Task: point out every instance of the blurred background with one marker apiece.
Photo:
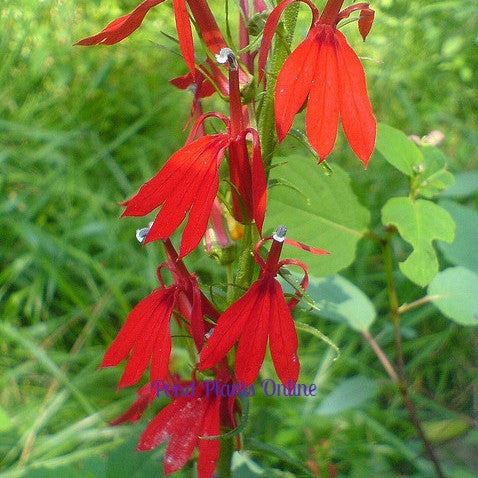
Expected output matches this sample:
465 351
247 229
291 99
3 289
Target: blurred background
82 128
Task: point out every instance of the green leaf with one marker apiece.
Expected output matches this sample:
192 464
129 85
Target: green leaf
350 393
123 461
433 176
339 299
59 472
264 448
5 421
466 185
397 149
455 292
419 223
444 430
326 214
462 251
243 467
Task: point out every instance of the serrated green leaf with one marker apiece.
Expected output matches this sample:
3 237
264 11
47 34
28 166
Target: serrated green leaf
466 185
326 215
433 176
339 299
462 251
350 393
419 223
397 149
455 292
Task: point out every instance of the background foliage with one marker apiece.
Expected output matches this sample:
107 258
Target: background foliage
81 129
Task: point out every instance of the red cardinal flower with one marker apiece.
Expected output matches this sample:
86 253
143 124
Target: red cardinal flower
189 180
188 418
324 69
136 410
122 27
202 87
146 332
260 314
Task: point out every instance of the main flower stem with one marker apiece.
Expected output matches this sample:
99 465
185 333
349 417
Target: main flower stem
402 383
245 268
267 118
244 275
223 468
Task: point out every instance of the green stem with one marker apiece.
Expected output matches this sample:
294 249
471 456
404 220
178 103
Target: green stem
223 468
245 268
402 383
230 284
267 118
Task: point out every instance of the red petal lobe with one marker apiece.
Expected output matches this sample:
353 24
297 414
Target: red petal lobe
358 120
283 338
294 83
322 117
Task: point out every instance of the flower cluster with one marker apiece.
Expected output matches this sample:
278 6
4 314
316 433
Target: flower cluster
322 71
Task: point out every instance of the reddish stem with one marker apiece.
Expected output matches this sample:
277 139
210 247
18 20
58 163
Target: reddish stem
331 12
246 58
207 25
272 264
235 102
173 259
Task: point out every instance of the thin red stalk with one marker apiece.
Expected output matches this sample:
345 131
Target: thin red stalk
235 102
244 35
174 258
402 384
381 356
331 11
274 255
207 25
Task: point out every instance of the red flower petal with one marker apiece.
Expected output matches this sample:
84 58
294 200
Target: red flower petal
159 429
270 27
207 25
259 182
157 303
194 187
161 352
356 113
189 180
322 117
153 193
241 177
209 449
304 247
180 420
365 22
294 83
185 36
283 337
153 334
136 410
185 430
253 341
228 329
201 208
122 27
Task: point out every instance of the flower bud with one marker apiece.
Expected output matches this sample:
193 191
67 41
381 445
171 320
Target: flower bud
219 243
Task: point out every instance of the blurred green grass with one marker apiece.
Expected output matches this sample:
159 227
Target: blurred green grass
83 128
